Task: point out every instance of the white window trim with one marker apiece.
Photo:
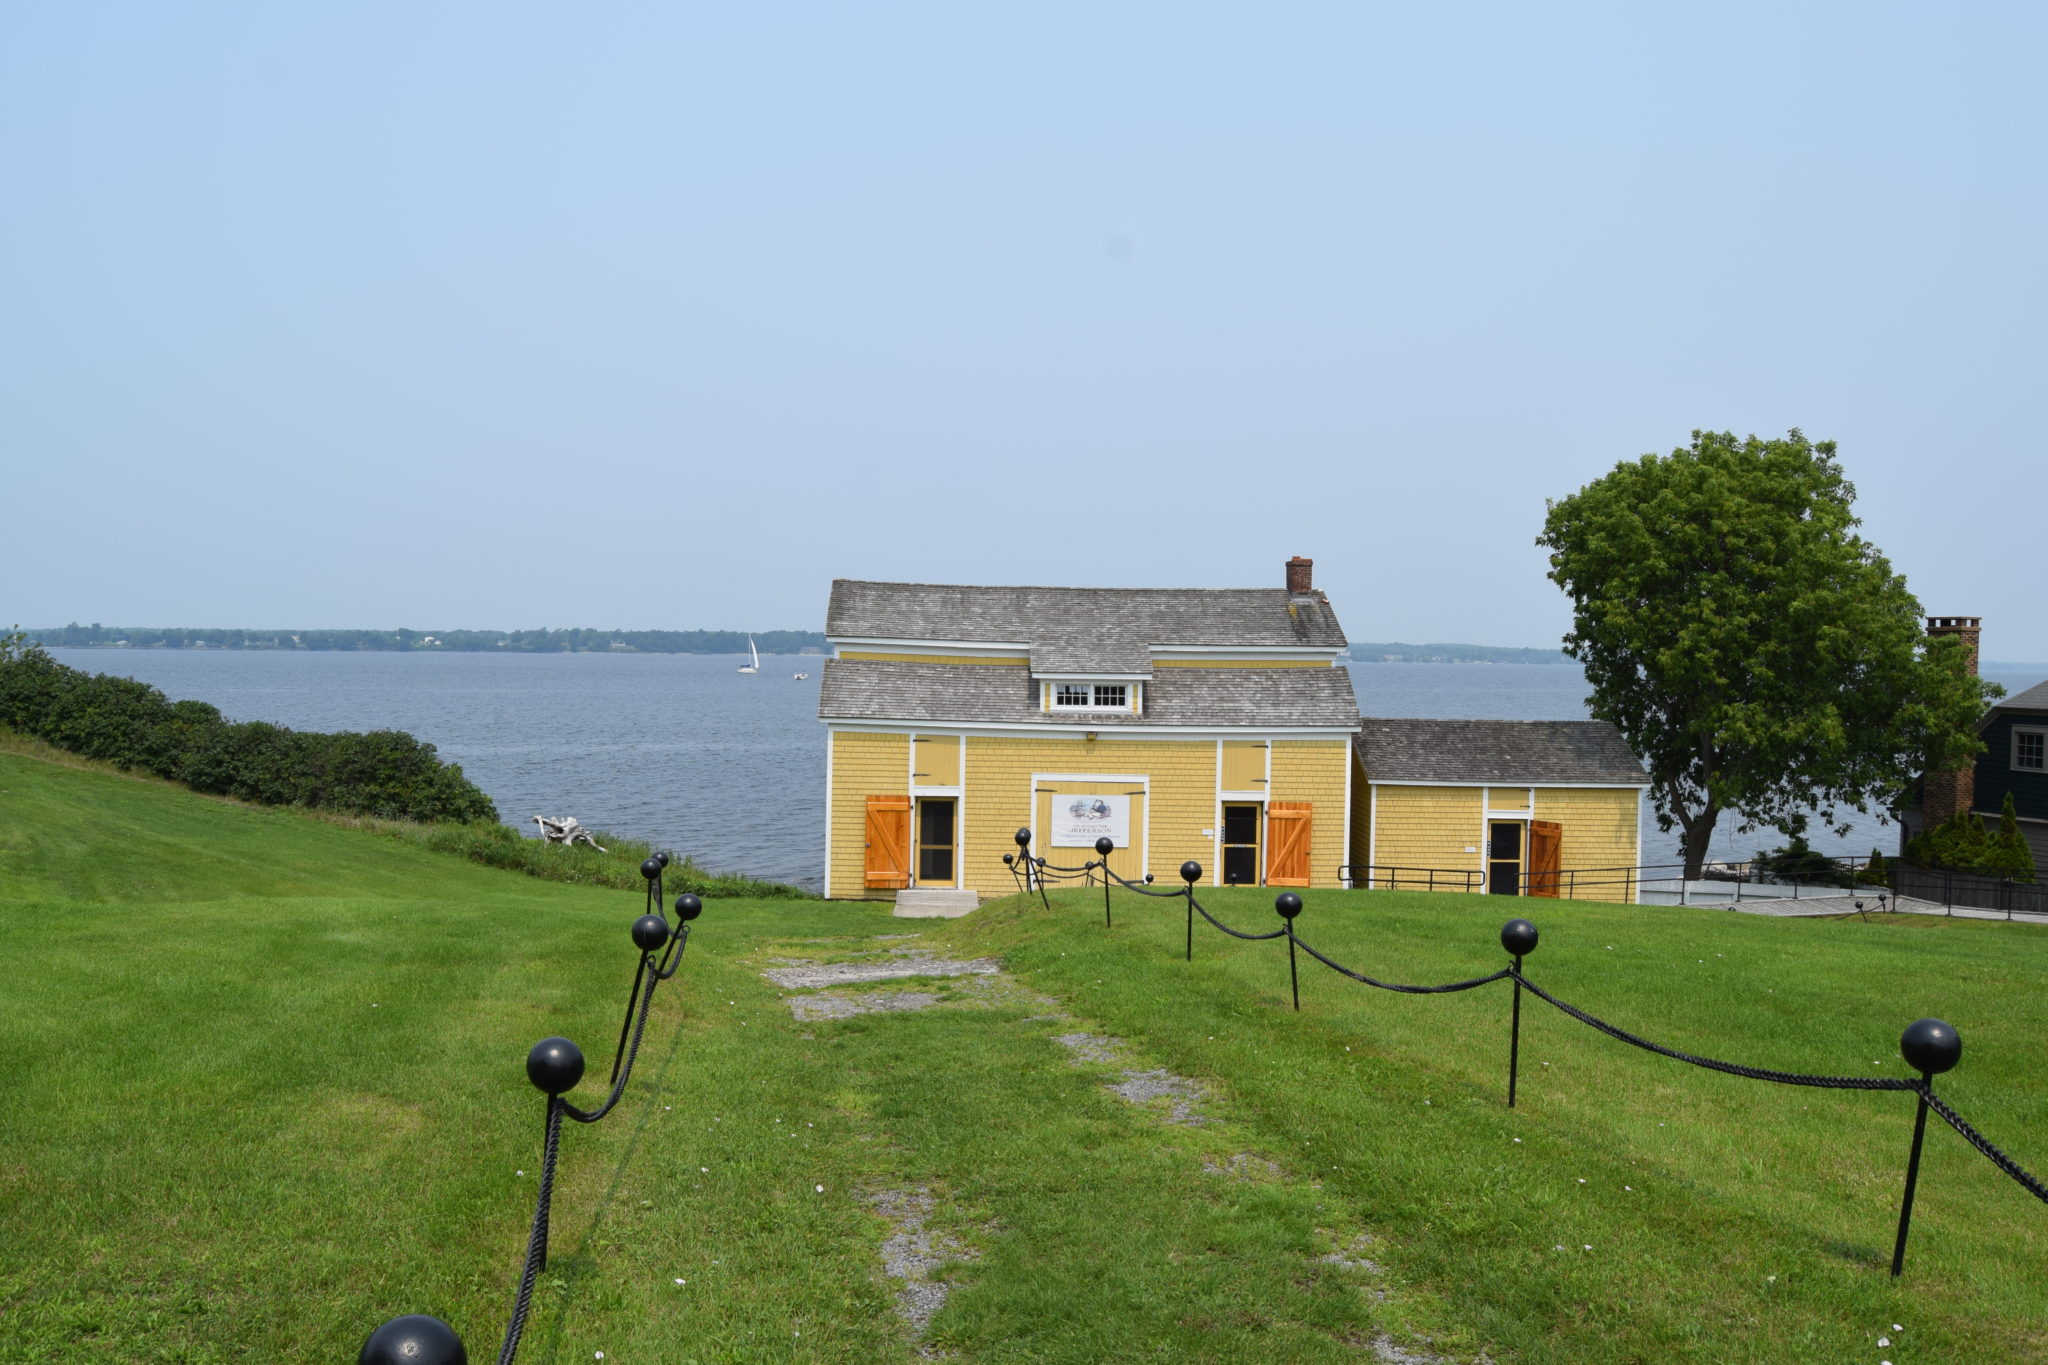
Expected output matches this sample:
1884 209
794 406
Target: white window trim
1093 705
2019 730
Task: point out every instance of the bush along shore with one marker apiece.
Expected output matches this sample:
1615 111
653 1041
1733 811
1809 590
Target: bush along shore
386 781
135 727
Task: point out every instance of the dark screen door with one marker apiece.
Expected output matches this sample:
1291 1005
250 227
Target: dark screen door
1504 857
935 840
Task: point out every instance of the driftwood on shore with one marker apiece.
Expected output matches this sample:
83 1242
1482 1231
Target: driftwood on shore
568 830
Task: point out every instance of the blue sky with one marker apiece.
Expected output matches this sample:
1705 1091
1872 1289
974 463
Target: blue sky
663 316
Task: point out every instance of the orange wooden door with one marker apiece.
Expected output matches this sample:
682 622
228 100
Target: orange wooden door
1287 842
1546 855
888 860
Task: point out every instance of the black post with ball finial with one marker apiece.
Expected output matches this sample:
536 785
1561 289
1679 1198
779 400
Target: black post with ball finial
1518 936
1103 848
1288 905
415 1339
1190 873
1031 872
1930 1047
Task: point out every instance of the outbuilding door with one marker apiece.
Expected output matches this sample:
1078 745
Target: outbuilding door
1128 863
1504 857
1546 854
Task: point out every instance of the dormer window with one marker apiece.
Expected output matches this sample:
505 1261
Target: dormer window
1075 696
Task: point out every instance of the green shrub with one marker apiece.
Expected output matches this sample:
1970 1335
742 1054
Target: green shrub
1961 843
134 726
1797 863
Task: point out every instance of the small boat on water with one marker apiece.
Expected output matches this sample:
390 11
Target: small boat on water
755 666
800 676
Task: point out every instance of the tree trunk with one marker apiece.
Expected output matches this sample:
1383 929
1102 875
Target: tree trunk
1699 832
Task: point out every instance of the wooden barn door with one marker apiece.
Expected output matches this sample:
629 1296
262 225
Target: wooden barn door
888 859
1546 855
1287 842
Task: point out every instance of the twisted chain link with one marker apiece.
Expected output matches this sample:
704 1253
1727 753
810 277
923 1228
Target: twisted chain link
1983 1144
537 1239
1754 1073
1341 969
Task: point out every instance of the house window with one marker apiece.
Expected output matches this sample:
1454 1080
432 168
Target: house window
2029 750
1092 696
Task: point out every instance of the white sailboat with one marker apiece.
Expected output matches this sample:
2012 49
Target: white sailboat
755 666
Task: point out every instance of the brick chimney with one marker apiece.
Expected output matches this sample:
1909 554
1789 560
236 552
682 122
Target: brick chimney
1301 577
1947 793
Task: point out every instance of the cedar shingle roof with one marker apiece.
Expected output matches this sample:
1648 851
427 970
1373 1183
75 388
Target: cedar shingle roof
1528 752
2034 698
1097 657
1222 617
875 689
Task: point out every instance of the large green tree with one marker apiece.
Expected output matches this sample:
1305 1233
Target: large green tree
1759 654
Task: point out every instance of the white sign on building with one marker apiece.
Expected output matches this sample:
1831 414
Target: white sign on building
1078 821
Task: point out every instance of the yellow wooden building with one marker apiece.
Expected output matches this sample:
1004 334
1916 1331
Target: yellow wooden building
1543 808
1212 725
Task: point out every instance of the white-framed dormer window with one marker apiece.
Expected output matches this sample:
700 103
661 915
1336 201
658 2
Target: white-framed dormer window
1079 696
2029 749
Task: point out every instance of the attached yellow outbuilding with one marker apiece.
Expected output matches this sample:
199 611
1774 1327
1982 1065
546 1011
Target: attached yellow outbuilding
1536 808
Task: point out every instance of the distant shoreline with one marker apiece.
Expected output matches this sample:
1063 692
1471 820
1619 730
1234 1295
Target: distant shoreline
573 640
581 640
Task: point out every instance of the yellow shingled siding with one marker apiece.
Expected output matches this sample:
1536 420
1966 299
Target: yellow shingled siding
1360 851
864 764
1425 828
1242 663
1000 799
1016 661
1313 770
1600 828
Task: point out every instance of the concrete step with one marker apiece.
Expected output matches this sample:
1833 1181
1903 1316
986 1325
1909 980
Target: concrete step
935 903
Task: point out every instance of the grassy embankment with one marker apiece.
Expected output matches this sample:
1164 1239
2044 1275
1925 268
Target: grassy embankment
270 1093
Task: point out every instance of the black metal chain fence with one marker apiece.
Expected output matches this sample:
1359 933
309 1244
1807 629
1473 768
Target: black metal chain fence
1930 1046
555 1065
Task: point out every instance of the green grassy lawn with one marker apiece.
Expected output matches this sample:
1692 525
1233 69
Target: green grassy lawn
270 1092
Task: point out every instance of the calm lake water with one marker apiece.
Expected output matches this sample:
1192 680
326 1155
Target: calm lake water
684 751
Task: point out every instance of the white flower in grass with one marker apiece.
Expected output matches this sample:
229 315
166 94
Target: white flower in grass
1884 1341
1582 1180
519 1173
821 1189
1588 1246
1558 1247
1770 1279
704 1170
1897 1328
682 1281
